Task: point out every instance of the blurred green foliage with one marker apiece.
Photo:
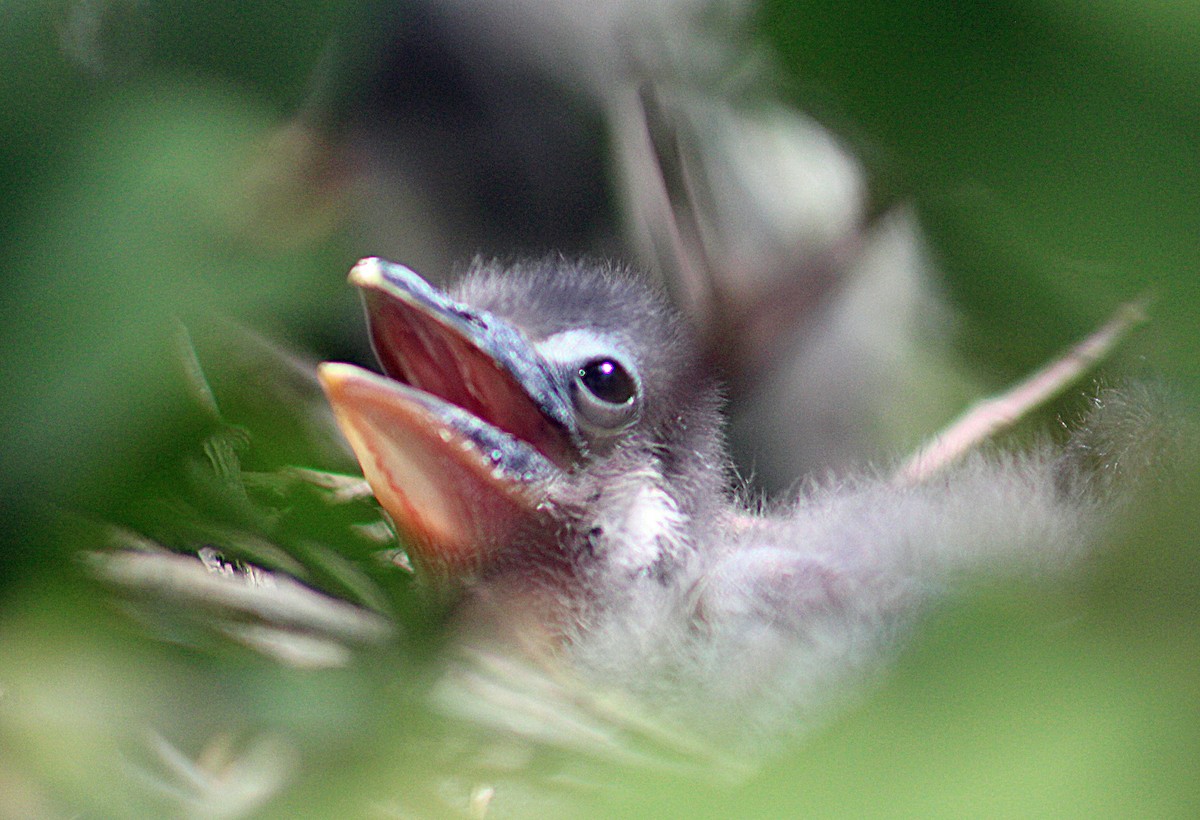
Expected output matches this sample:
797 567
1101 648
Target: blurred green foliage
149 175
1050 145
143 182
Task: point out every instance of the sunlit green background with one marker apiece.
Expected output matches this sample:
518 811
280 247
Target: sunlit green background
148 175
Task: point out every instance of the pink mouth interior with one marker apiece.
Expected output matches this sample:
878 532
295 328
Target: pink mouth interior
416 349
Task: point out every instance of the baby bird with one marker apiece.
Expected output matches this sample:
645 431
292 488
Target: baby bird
548 442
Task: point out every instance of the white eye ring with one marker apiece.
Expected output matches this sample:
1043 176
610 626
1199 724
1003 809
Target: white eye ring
605 387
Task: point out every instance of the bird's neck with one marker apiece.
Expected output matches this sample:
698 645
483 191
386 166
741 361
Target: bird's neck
627 536
637 530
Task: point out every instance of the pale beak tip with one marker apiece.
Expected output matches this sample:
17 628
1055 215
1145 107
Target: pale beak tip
336 378
367 272
332 373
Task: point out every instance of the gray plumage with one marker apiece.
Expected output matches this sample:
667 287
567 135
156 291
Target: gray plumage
657 581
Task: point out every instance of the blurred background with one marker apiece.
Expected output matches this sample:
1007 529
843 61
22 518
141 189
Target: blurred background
875 214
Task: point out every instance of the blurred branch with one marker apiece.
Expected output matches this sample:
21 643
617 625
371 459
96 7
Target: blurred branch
998 413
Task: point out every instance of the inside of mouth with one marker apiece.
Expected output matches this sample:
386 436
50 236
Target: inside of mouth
415 349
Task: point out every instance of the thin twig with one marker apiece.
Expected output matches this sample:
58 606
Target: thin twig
997 413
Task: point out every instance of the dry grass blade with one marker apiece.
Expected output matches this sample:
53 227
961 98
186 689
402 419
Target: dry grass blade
259 595
997 413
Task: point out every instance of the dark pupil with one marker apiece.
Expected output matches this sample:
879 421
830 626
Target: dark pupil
607 381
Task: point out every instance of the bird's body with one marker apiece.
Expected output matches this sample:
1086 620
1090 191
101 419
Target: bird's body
570 404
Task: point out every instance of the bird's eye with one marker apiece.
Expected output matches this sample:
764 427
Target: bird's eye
608 381
606 394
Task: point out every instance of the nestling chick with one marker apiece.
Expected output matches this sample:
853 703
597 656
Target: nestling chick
549 443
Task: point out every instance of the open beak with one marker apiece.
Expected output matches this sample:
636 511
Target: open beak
461 437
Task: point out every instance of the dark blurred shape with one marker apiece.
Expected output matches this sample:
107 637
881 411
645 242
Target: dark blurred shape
465 144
